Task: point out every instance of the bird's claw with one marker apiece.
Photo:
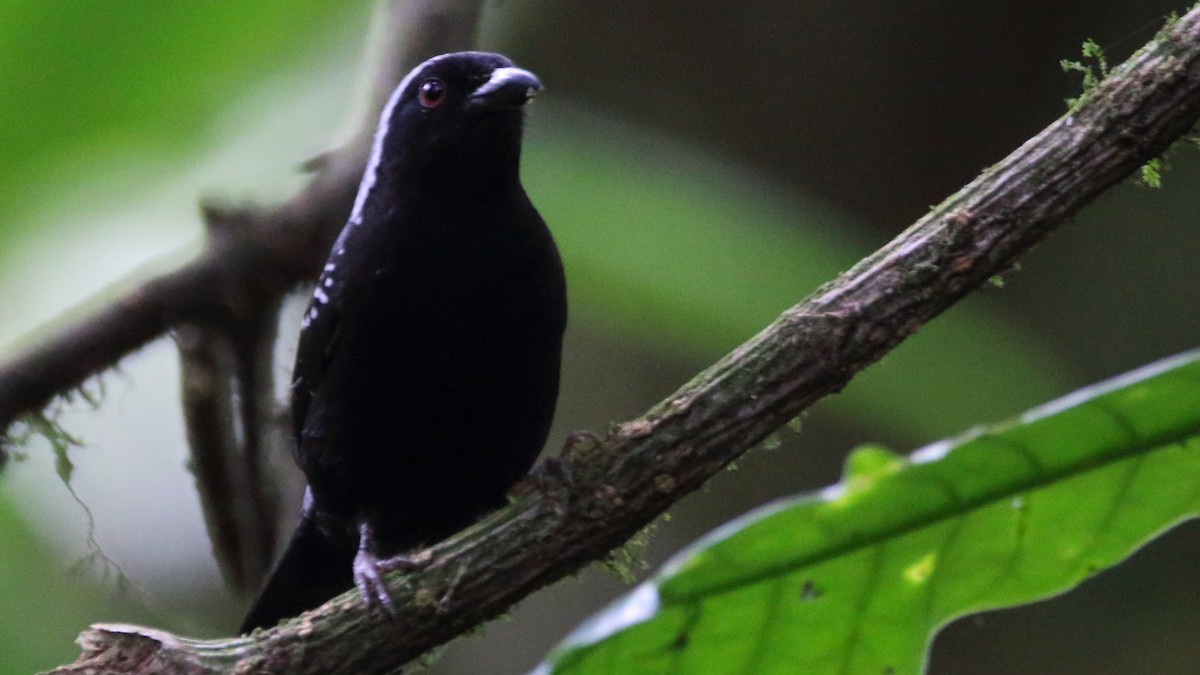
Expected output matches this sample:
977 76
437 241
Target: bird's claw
369 581
403 563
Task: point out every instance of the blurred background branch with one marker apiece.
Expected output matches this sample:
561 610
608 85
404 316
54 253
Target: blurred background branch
225 303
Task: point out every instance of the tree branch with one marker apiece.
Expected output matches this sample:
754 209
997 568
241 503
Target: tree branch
238 504
622 482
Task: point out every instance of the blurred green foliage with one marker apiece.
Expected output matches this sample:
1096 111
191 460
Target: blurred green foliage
41 610
84 79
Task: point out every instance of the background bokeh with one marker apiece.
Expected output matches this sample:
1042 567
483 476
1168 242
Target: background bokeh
703 165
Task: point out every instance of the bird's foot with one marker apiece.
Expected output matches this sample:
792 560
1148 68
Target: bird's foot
368 578
369 569
404 563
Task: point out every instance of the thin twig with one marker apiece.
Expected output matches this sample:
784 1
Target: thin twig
238 504
254 372
209 418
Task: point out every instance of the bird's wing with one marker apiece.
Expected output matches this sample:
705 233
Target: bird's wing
319 332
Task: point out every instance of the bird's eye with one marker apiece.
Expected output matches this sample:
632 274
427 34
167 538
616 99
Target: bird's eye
431 93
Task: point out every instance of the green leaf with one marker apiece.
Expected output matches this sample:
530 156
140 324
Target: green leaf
1152 173
859 577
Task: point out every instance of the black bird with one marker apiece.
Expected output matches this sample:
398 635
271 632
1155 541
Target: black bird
427 370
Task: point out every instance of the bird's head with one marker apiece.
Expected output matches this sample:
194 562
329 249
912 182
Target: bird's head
455 110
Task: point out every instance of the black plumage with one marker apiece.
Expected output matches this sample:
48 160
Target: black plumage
428 364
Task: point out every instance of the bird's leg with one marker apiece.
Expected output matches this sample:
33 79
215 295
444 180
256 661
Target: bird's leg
366 571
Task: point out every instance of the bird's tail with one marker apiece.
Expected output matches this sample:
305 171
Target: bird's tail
313 569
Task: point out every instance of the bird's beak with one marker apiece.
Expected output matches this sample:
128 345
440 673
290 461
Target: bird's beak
507 88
